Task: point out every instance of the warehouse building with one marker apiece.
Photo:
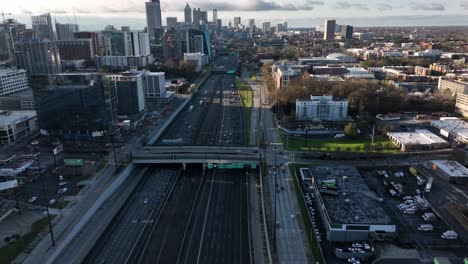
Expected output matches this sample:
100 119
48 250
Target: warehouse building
452 127
450 171
349 209
417 140
16 124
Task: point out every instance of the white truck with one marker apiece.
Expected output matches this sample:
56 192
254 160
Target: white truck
429 184
429 216
449 234
426 227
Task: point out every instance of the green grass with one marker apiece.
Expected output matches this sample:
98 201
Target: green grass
246 95
343 145
9 252
314 245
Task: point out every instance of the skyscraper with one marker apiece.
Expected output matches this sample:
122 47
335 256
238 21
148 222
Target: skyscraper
42 24
171 22
153 18
65 31
237 22
188 13
197 16
215 15
330 25
347 31
251 23
38 57
266 27
204 17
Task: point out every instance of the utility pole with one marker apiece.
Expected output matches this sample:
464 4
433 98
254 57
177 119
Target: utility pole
47 202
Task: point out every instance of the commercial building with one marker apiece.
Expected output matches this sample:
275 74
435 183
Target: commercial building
187 14
38 57
130 94
215 15
417 140
124 61
330 25
323 108
75 49
453 128
461 104
22 100
112 43
450 170
347 31
282 74
198 58
137 43
79 104
171 22
364 36
237 22
16 124
343 58
153 18
66 31
42 24
348 207
12 81
94 36
266 26
318 61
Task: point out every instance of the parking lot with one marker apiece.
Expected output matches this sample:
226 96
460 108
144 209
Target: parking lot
405 189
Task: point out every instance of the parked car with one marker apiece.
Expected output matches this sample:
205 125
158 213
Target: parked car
32 199
52 201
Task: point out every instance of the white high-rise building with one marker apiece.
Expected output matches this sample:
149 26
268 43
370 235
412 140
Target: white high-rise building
137 43
153 17
12 81
154 84
237 21
323 108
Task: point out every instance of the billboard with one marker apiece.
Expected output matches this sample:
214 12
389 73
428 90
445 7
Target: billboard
73 162
8 185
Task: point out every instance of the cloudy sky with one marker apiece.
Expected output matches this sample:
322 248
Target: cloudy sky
94 14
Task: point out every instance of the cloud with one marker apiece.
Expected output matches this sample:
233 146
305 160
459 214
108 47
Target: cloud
464 5
57 11
348 5
384 7
427 6
258 5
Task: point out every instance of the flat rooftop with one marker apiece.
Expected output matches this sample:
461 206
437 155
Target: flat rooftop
10 117
451 168
355 202
418 137
452 125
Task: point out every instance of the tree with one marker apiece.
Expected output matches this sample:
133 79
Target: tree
351 131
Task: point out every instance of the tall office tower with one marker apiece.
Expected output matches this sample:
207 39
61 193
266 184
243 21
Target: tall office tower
43 26
188 14
197 16
237 22
10 31
266 27
330 25
280 28
38 57
285 26
347 31
251 23
112 43
153 18
219 22
171 22
130 93
204 17
215 15
65 31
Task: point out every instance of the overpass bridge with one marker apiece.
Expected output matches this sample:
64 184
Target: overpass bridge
216 156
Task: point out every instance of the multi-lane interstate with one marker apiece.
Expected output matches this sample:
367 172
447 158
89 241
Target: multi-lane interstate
199 215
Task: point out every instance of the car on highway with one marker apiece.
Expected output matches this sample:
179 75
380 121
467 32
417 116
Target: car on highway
32 199
145 200
35 142
292 216
52 201
62 183
60 178
62 191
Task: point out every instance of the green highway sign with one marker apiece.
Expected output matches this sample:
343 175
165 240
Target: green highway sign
73 162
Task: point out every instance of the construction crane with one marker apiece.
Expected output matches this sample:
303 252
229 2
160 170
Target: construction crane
3 16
